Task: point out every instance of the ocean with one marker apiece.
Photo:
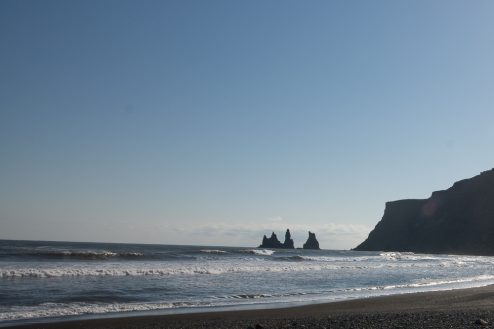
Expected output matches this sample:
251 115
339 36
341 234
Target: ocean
47 281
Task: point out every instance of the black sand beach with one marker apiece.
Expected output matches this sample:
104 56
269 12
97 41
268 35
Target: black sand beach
463 308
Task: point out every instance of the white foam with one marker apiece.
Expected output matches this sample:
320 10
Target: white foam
486 279
71 309
260 252
213 251
58 310
436 272
48 270
334 259
400 256
241 264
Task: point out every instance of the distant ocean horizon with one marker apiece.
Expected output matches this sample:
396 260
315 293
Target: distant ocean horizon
47 280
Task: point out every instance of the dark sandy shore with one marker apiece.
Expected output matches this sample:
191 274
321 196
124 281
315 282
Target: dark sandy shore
465 308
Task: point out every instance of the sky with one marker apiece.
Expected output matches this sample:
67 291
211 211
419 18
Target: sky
216 122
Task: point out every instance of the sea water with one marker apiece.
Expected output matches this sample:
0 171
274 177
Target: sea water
61 280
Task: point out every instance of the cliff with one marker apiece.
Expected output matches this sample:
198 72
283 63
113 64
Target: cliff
459 220
311 242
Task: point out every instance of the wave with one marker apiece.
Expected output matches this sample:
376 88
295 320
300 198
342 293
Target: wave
247 296
80 254
295 258
398 255
80 308
410 256
286 264
252 264
329 259
159 269
259 252
71 309
428 283
213 251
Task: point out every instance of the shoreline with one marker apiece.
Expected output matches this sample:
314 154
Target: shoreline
457 307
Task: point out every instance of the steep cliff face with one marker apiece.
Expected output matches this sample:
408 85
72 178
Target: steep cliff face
459 220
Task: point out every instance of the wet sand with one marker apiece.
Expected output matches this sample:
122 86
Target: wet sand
462 308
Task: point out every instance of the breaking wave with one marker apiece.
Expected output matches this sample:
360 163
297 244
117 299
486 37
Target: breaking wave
78 308
79 254
213 251
153 270
97 278
296 258
259 252
62 309
288 264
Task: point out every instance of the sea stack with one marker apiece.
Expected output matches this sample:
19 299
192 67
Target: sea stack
459 220
273 242
312 242
288 244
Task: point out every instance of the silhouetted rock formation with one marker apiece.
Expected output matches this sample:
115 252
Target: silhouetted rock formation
288 244
312 242
459 220
273 242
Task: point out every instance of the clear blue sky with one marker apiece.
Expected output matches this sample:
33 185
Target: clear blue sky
215 121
